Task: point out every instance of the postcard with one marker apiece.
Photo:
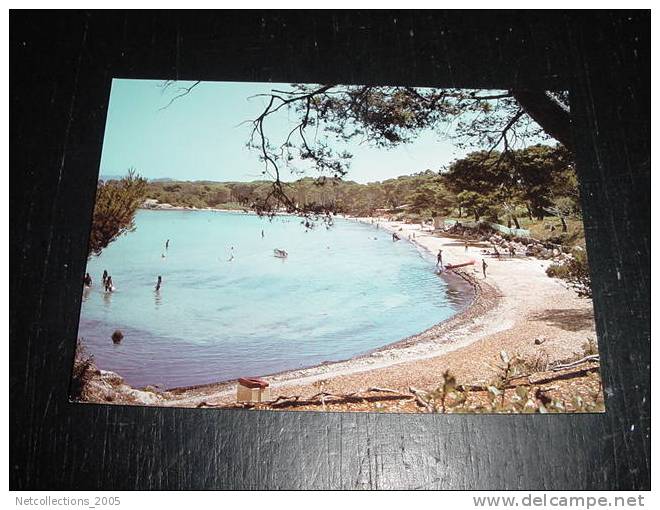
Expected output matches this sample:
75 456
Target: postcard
322 247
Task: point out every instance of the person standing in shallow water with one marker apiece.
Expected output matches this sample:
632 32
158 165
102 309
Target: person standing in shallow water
167 244
87 280
484 266
105 276
159 283
109 287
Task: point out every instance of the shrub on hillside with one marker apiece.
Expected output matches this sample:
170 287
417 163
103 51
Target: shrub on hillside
574 271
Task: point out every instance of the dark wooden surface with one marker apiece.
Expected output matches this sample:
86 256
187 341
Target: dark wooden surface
61 66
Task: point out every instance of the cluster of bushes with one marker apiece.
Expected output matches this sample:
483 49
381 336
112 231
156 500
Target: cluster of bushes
574 270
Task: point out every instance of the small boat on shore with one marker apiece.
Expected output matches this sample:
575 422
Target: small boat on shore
280 254
449 267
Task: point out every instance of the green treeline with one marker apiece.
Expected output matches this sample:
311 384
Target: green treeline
519 189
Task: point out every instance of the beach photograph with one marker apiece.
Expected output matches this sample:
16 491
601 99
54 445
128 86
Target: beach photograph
337 248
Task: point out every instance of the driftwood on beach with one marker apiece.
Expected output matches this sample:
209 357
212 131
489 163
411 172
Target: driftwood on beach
423 399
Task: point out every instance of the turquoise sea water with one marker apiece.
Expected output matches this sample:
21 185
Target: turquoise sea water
342 291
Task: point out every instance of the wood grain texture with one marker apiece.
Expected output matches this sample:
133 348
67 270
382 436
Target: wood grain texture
61 67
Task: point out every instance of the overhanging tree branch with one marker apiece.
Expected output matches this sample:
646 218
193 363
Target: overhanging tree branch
181 92
553 116
386 116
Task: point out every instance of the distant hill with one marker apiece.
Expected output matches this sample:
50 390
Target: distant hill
108 177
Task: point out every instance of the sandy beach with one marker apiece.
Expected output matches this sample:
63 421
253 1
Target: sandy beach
517 309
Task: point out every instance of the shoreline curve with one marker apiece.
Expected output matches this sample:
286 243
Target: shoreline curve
445 336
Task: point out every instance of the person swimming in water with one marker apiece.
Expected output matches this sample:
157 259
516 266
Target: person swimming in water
87 280
159 282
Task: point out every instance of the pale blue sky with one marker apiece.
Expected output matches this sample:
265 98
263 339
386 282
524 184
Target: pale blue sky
199 136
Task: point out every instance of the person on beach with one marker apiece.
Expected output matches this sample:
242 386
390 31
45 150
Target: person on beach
496 252
87 280
466 246
158 283
439 262
484 266
512 251
105 276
